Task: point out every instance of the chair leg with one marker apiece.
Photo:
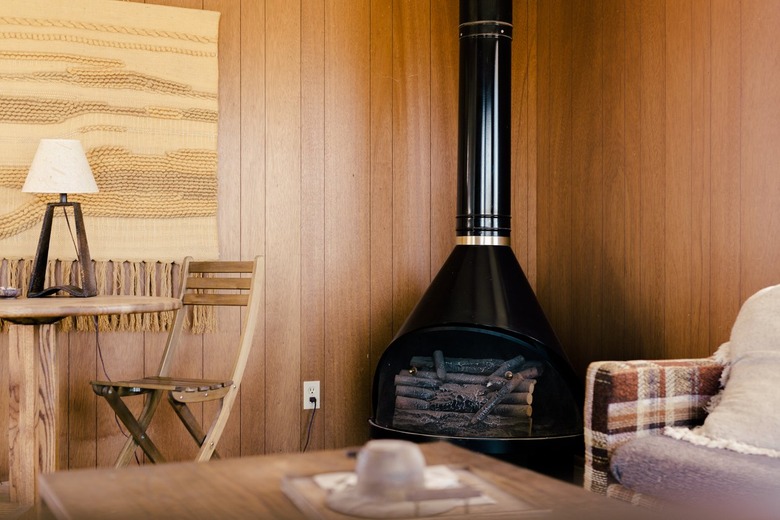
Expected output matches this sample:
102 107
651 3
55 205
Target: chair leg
207 442
144 419
137 429
190 422
217 425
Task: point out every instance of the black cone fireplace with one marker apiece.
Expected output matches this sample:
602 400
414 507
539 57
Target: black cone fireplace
476 362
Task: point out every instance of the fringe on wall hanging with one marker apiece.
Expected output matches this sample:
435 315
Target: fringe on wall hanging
114 278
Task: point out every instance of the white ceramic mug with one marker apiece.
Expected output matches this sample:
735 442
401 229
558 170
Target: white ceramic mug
387 469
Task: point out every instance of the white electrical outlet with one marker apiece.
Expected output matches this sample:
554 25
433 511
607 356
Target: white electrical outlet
311 389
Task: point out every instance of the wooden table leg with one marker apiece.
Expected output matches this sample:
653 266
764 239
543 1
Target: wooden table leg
32 408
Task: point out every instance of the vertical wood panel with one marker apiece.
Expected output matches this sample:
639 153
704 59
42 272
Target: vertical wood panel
312 205
726 164
701 121
82 401
632 295
615 212
587 174
381 170
529 108
443 129
760 159
554 233
411 155
523 130
677 185
283 217
347 204
652 157
250 409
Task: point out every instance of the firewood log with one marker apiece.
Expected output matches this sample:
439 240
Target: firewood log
519 398
411 403
529 370
406 380
499 376
513 410
455 377
415 391
463 365
430 380
504 410
438 364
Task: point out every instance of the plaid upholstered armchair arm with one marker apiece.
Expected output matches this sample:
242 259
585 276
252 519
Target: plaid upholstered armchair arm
627 399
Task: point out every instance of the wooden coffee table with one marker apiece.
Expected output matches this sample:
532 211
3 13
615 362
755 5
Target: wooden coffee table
251 487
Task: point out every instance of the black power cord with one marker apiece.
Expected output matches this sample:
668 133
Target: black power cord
311 421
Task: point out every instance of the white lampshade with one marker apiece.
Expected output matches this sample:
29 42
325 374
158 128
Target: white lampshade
60 166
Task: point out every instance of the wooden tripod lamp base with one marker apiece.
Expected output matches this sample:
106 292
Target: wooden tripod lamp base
88 281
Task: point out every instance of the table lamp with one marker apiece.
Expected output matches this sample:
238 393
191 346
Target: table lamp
60 166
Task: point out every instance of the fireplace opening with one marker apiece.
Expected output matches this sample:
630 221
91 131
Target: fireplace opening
489 384
476 362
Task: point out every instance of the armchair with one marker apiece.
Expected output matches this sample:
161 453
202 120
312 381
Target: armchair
628 399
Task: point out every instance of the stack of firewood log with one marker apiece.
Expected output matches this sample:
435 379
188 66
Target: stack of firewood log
457 396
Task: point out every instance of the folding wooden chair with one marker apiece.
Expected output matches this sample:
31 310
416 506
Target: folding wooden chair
203 283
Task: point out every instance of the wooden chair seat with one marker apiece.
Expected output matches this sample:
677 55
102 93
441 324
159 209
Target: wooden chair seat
203 283
184 387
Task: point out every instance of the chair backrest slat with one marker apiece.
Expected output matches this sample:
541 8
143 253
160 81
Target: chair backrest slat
218 283
215 299
218 266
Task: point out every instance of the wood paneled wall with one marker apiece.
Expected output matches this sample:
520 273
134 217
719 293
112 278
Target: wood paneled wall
658 174
644 181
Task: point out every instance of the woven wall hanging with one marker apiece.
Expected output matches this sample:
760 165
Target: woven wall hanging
137 84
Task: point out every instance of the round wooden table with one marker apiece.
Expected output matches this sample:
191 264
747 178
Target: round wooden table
36 311
34 413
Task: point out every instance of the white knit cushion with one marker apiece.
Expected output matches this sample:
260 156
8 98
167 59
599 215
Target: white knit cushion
745 417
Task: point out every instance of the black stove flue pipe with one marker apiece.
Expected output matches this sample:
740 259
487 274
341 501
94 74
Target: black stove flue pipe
484 112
